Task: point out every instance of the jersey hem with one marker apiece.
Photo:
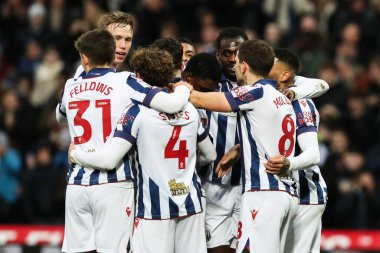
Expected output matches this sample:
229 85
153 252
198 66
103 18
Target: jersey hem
126 180
172 218
269 190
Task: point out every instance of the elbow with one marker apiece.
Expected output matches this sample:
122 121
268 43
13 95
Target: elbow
316 158
211 156
175 107
324 85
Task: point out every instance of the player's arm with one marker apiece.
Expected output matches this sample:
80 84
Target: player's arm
308 143
206 150
60 113
308 87
169 102
212 101
106 158
228 160
113 152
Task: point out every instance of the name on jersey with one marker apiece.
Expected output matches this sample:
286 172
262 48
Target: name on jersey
93 86
282 100
179 115
178 188
243 94
305 118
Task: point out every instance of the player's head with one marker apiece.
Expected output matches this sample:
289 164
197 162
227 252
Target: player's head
188 50
174 47
153 65
120 25
285 67
254 57
227 44
203 72
96 49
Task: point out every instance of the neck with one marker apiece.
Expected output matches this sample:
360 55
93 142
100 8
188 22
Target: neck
87 68
252 78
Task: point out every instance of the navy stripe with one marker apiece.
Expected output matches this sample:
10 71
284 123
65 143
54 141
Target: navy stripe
94 177
231 100
202 136
79 176
71 169
241 154
173 208
149 97
190 209
299 114
130 117
134 84
315 178
312 109
111 176
287 186
127 167
140 201
220 145
236 169
154 192
304 188
250 96
197 186
255 161
125 136
306 129
225 86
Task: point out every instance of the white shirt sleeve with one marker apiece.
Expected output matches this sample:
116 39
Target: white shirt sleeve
207 153
171 103
308 143
309 87
60 113
106 159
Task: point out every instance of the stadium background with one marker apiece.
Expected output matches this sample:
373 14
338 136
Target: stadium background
336 40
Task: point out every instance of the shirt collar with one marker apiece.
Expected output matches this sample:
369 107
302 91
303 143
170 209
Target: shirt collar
265 81
98 72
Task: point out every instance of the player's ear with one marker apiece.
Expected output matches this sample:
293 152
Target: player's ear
85 59
285 77
187 76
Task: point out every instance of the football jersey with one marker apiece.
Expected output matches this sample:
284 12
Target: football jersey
167 183
93 104
222 128
311 186
266 124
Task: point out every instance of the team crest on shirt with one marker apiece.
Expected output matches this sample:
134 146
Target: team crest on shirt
178 188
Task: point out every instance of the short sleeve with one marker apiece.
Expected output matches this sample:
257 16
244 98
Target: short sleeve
143 92
127 125
243 98
306 116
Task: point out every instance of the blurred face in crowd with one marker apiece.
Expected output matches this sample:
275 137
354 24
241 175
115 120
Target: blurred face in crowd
188 52
226 55
123 35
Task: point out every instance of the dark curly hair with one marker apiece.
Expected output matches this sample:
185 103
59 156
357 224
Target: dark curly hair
155 66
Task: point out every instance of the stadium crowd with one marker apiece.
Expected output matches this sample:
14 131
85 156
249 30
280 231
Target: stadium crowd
335 40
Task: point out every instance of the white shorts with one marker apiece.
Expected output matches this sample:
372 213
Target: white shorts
304 233
222 213
179 235
264 220
98 217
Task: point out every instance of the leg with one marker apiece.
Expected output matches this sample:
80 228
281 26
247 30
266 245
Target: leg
154 236
190 235
113 207
79 228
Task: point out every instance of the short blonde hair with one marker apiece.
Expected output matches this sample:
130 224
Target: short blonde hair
115 17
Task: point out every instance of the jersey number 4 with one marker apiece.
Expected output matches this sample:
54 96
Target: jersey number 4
286 143
181 153
82 106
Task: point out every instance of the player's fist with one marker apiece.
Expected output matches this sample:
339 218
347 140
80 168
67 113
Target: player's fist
277 165
289 94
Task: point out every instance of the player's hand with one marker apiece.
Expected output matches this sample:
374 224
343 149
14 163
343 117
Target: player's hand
289 94
175 85
278 165
71 148
228 160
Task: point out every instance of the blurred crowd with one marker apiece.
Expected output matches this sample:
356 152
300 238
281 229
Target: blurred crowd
336 40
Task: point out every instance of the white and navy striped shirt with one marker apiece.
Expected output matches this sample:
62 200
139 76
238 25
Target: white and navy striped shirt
222 128
92 104
266 124
311 186
167 183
